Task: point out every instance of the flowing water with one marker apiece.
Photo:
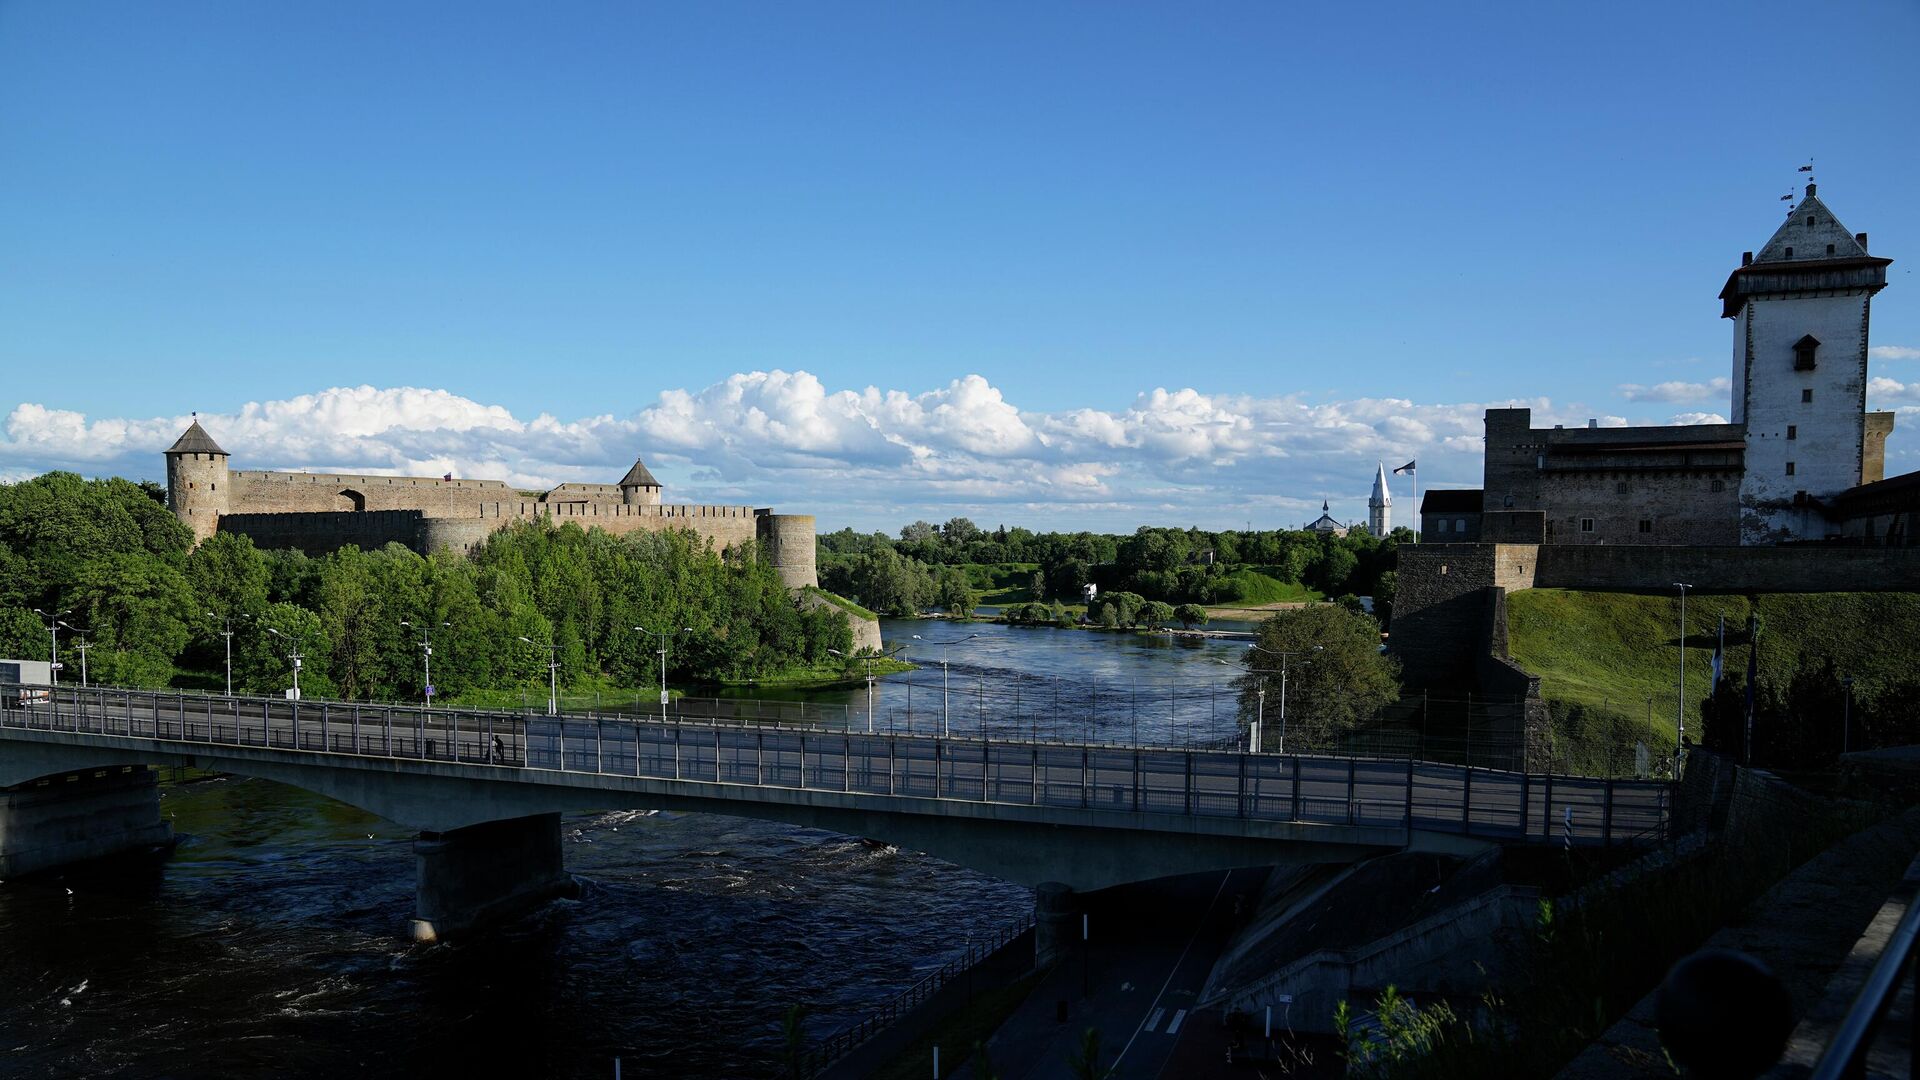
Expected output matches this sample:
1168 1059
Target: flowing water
271 943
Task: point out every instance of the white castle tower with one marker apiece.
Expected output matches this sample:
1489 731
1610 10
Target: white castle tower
1800 309
1380 505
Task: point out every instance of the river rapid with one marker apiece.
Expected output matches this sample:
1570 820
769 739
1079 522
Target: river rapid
272 942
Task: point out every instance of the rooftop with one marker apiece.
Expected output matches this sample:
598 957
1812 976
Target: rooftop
195 440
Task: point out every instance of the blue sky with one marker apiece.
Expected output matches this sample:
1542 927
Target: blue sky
889 261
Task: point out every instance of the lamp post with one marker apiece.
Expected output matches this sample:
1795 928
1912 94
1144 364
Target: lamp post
226 631
1259 714
53 631
664 636
293 659
1285 655
426 654
1680 705
553 674
1846 715
869 658
946 730
83 646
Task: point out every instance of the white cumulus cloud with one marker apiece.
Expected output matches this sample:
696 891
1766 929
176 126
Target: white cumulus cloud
1677 392
1893 352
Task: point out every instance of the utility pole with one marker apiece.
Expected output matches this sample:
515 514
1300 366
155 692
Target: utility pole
664 636
946 729
1285 655
870 658
1680 710
293 659
226 631
426 654
553 674
83 646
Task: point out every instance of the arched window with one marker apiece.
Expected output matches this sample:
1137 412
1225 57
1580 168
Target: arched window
352 500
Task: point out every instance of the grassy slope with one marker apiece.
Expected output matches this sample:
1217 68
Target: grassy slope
1620 649
840 602
1259 586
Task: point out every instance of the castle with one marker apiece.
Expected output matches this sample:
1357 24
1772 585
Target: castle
1789 496
319 512
1800 460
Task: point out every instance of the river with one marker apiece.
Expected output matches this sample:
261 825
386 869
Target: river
272 942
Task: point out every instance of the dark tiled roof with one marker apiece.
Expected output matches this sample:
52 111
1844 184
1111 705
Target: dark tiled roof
1452 501
638 476
195 440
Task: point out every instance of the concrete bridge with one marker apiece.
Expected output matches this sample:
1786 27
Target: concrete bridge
485 790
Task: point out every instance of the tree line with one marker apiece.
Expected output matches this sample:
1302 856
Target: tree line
108 558
924 566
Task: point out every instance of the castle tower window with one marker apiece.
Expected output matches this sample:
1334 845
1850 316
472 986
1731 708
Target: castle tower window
1793 432
1586 524
1646 526
1789 253
1620 488
1789 468
1803 353
1806 397
1717 485
1829 249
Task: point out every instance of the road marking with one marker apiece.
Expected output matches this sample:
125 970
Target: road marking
1199 924
1174 1028
1154 1020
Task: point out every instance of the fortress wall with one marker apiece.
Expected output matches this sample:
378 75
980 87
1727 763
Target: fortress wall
786 541
1791 568
319 533
286 493
1441 607
726 526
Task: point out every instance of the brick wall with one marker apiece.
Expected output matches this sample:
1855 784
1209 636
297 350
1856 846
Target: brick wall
319 533
1808 568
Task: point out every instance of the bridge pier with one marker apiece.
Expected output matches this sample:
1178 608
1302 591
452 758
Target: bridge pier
1056 933
484 874
75 816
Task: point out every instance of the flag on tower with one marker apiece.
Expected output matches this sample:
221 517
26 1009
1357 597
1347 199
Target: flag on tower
1408 467
1806 168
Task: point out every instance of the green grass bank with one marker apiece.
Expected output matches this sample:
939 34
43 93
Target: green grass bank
1621 651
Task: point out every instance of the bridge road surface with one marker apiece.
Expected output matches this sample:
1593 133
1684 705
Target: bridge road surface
1152 946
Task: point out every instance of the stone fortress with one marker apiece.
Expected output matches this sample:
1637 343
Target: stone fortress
320 512
1790 496
1801 460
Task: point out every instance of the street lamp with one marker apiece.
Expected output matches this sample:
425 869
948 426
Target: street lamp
426 653
83 647
1680 706
553 675
869 658
1846 715
946 731
1286 655
53 630
226 631
293 658
664 636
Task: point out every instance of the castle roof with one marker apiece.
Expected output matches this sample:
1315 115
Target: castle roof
195 440
638 476
1806 234
1810 252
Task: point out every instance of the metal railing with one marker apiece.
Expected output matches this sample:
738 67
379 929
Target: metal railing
1168 781
847 1039
1846 1055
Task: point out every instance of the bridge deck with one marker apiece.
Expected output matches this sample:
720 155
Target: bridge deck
1309 789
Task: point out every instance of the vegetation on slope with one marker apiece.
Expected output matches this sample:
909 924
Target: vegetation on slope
1619 653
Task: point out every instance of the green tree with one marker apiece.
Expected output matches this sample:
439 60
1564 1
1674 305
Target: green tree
1155 614
1190 615
1336 675
956 593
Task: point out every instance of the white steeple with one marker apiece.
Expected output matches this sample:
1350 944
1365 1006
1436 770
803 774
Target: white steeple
1380 505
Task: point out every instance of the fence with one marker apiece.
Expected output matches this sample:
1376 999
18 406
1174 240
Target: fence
842 1042
1169 781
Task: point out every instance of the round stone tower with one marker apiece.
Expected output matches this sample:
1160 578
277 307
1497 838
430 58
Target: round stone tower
786 541
197 488
638 487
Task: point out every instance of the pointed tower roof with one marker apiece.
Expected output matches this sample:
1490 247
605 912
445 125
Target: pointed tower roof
1381 497
638 476
1808 233
1810 252
195 440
